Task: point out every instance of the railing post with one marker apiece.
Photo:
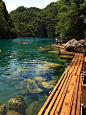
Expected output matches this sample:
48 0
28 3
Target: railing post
85 64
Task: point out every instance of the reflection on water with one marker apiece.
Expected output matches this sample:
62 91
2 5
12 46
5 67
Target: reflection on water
27 71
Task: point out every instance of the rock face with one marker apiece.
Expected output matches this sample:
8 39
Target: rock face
3 110
7 28
17 103
76 46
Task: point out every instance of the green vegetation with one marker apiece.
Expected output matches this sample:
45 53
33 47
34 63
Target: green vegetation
64 18
7 28
34 22
71 19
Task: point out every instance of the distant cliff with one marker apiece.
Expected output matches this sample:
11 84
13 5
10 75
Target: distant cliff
7 28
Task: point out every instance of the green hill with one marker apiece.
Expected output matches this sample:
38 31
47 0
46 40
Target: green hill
7 28
35 22
64 18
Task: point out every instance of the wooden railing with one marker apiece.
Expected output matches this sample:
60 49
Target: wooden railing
66 96
85 64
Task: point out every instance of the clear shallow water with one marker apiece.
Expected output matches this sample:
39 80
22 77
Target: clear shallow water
17 65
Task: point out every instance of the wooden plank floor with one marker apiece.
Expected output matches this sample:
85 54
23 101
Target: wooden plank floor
66 96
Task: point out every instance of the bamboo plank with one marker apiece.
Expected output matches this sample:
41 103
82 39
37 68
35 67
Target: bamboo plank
66 105
61 88
64 90
61 100
75 97
42 110
79 97
67 91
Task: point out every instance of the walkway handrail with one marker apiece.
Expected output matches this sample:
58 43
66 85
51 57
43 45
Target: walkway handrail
66 96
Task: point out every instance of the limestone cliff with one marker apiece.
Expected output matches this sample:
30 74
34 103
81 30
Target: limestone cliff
7 28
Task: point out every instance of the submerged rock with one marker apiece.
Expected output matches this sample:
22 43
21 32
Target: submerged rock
20 69
35 85
22 91
44 49
17 103
3 110
29 85
54 52
66 56
34 108
39 79
51 65
47 85
12 112
32 86
54 82
46 65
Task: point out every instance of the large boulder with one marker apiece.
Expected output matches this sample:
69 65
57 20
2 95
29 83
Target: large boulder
76 46
81 46
17 103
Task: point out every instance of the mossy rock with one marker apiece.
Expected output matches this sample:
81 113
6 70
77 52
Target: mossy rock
51 65
34 108
54 52
44 49
22 92
54 82
12 112
31 86
39 79
3 110
47 85
48 65
66 56
17 103
20 70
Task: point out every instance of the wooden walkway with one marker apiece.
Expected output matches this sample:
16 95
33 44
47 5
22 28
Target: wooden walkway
65 98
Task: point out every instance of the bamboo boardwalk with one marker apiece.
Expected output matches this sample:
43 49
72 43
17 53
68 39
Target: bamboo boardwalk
65 99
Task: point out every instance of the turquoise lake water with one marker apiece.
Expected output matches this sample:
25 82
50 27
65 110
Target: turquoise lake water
21 63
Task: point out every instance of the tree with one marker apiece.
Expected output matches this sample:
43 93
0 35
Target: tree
35 22
71 16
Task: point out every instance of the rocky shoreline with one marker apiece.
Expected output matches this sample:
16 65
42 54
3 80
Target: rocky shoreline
73 46
76 46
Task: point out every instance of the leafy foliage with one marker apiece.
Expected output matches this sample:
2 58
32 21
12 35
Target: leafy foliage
7 28
35 22
64 18
71 19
